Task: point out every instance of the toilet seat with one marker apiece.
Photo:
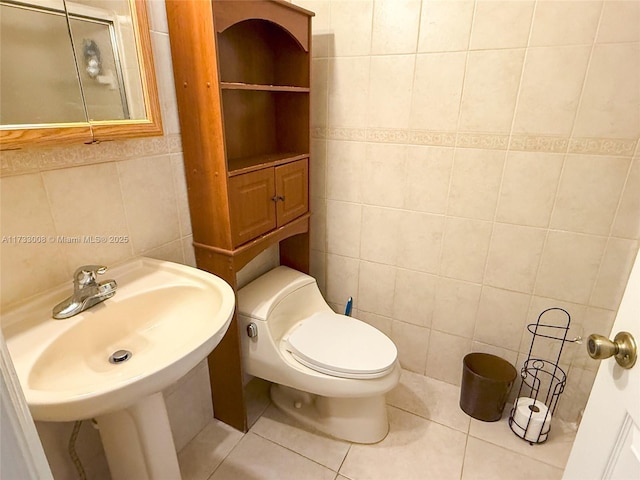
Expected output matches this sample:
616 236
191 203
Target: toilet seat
341 346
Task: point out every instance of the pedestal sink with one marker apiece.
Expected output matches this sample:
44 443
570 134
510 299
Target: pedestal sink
167 316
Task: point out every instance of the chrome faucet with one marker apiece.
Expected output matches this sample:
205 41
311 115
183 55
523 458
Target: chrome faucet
86 291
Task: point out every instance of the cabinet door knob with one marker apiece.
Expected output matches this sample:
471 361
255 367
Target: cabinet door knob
274 198
281 198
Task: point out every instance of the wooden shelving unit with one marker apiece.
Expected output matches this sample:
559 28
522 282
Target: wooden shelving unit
242 75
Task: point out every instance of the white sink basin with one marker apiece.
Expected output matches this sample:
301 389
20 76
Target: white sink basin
169 316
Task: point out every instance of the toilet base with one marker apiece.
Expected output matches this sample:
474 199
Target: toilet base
358 420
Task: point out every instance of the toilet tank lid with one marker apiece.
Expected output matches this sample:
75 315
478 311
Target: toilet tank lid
258 298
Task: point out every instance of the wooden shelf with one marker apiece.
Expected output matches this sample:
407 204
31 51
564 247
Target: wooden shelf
238 166
259 87
243 254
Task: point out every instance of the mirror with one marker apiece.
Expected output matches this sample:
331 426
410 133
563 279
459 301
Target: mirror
75 71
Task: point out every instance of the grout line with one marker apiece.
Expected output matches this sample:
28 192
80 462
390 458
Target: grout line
299 453
464 454
501 446
226 456
522 72
494 222
586 72
422 417
344 459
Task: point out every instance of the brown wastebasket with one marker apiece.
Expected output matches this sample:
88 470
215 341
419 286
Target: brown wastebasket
486 383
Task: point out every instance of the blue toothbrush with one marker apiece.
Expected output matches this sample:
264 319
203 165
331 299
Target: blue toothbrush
347 310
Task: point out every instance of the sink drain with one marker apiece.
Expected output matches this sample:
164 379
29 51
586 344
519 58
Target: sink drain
120 356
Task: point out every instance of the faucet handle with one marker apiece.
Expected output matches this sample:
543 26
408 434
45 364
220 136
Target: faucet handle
86 274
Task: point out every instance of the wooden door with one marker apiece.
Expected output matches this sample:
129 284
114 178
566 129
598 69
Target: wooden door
251 203
292 190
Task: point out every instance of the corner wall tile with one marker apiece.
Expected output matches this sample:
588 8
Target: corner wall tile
501 24
166 85
437 89
589 192
569 266
465 247
414 295
348 90
528 188
343 228
428 173
379 242
619 23
445 25
627 222
182 199
501 317
383 173
551 82
421 235
444 361
319 92
490 90
29 268
455 307
475 183
395 26
393 73
548 31
157 16
102 215
351 26
614 273
610 98
413 344
344 169
149 198
342 280
376 288
514 256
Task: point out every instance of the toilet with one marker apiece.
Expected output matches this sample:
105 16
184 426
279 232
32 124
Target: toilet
329 371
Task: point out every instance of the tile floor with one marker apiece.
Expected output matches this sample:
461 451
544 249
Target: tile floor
429 438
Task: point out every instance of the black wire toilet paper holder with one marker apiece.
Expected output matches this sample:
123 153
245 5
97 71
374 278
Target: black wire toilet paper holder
542 380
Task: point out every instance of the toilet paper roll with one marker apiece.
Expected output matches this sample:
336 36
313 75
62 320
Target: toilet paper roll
531 415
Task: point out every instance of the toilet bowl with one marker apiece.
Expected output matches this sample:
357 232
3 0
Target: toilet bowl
329 371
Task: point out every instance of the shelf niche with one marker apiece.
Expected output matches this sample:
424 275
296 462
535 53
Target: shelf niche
259 123
260 52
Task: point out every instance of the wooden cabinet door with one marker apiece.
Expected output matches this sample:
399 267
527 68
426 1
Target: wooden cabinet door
292 189
251 205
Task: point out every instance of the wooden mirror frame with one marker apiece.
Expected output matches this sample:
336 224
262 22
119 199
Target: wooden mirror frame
15 137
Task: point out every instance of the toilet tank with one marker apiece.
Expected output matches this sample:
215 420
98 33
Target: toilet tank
281 297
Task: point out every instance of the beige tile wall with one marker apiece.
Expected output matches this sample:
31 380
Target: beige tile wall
133 188
476 162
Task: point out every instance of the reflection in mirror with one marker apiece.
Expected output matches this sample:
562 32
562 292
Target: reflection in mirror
105 48
38 80
107 57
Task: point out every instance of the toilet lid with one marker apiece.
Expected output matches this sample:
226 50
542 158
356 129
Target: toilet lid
341 346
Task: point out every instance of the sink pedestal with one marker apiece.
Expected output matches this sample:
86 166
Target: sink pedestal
138 442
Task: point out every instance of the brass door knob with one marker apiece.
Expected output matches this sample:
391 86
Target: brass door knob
622 348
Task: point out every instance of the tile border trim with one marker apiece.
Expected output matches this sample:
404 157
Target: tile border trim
491 141
17 162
